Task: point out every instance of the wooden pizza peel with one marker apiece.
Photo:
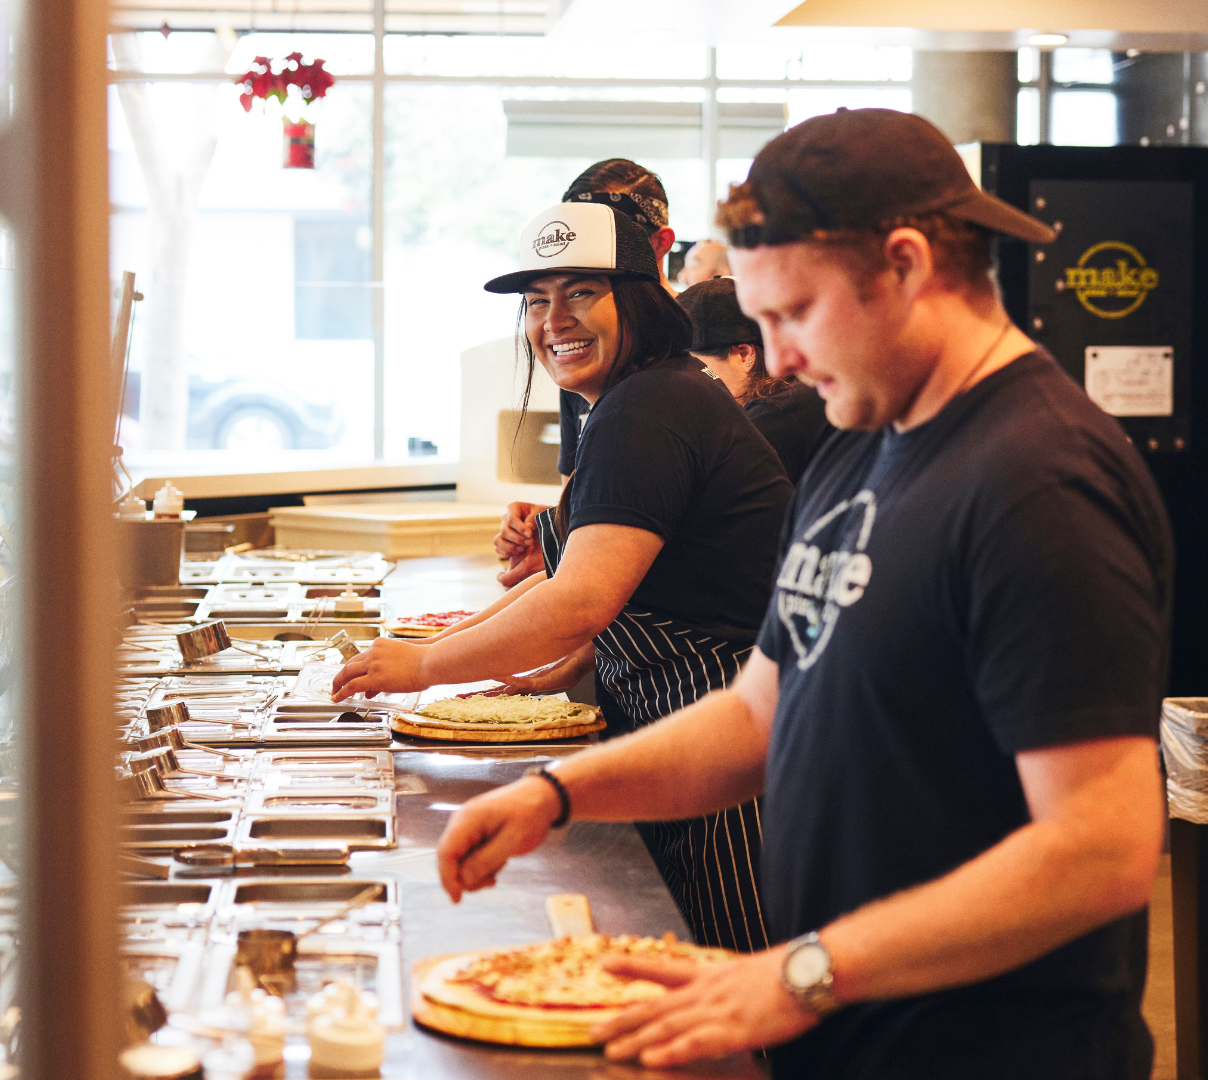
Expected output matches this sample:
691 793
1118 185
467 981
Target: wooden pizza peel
568 914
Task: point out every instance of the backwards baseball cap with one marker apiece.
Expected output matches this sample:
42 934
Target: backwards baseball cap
717 320
579 237
861 169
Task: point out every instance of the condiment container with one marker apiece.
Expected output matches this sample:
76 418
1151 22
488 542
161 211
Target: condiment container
132 508
349 605
148 1062
346 1040
169 502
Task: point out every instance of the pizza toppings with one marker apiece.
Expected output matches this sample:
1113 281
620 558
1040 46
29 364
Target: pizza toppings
569 973
426 625
508 709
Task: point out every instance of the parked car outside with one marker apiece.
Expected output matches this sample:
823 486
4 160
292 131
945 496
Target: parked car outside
248 414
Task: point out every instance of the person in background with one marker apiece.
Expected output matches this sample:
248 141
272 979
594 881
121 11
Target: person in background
659 559
789 414
704 260
639 194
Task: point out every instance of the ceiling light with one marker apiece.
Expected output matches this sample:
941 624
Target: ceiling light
1048 39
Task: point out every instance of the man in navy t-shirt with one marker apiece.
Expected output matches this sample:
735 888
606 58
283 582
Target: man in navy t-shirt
952 708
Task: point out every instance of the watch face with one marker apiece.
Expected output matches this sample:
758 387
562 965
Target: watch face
807 966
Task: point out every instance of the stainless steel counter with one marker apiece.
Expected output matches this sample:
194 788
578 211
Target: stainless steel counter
606 862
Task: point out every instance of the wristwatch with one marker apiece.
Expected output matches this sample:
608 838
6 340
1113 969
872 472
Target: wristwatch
806 975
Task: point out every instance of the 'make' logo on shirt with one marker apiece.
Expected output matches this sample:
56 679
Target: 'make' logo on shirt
823 573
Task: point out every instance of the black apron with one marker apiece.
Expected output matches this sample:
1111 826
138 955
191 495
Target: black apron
649 666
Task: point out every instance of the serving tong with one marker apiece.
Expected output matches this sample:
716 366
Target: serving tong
164 759
174 737
148 783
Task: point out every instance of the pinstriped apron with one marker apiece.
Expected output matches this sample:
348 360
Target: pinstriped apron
651 665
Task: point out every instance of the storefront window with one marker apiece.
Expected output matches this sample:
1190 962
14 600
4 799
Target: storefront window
255 337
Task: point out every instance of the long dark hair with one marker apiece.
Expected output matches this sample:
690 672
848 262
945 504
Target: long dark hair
652 328
760 383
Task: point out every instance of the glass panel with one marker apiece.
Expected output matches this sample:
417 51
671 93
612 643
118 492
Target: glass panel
255 340
455 204
794 60
1027 116
1083 66
1028 69
806 103
190 52
472 55
1084 118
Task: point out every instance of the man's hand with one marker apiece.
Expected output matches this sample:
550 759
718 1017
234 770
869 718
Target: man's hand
385 667
708 1013
515 535
521 567
489 829
560 675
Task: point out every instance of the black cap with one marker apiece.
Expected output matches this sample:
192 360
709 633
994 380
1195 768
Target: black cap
579 237
860 169
717 320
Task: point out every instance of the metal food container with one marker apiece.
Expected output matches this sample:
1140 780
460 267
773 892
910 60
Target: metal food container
203 641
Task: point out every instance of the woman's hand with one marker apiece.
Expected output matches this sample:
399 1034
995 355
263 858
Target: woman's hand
560 675
387 666
489 829
709 1012
521 567
516 531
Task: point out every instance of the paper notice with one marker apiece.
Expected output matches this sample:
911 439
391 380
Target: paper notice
1129 380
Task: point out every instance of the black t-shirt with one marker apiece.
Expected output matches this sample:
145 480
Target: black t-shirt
794 422
669 450
571 410
994 581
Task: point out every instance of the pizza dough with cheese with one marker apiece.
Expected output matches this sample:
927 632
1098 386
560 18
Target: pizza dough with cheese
549 993
500 718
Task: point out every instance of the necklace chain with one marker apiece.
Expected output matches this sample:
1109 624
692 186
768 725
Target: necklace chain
981 363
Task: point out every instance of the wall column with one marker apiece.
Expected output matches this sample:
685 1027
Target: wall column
969 96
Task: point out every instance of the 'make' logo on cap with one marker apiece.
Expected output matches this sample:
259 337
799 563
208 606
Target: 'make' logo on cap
553 239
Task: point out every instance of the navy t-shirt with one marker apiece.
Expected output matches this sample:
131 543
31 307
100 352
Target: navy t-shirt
669 450
794 422
571 411
994 581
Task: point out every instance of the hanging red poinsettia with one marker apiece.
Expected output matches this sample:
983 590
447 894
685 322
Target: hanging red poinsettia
309 83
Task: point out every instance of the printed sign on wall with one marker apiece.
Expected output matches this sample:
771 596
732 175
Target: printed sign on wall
1111 298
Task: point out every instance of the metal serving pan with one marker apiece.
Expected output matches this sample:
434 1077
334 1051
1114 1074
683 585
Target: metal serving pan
327 801
360 832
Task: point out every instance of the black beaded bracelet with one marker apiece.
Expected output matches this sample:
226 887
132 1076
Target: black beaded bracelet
563 798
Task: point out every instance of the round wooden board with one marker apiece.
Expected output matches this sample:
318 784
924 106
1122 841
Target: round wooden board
506 1031
492 733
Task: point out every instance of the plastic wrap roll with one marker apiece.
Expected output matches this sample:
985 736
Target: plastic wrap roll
1185 752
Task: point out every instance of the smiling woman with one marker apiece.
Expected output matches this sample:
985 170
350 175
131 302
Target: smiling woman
659 560
589 333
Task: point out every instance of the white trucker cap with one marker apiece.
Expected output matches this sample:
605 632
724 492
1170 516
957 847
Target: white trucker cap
579 237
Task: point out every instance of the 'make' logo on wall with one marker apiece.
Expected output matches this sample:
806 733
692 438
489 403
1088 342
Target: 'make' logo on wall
1111 279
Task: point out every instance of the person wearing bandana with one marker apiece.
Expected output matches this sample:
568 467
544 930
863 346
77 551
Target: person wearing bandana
639 194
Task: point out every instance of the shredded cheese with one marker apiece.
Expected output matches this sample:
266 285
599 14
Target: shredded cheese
504 709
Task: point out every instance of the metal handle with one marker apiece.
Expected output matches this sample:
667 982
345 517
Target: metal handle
360 900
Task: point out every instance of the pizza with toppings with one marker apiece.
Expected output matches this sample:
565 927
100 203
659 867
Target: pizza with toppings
422 626
548 994
500 718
